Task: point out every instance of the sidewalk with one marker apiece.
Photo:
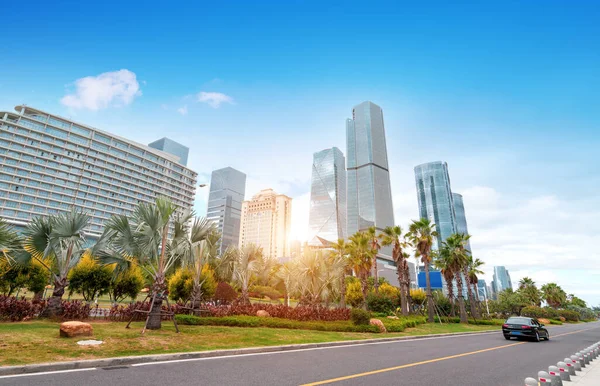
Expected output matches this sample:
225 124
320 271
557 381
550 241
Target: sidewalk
589 376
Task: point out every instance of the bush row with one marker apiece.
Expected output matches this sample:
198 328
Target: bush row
16 310
550 313
478 322
254 321
300 313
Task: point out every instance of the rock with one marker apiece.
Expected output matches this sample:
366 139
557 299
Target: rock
89 342
262 314
544 321
562 319
379 324
71 329
393 317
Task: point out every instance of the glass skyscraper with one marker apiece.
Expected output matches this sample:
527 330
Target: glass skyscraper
227 190
327 216
52 164
369 191
435 199
461 218
501 279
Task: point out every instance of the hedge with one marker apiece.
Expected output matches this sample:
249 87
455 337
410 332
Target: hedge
477 322
255 321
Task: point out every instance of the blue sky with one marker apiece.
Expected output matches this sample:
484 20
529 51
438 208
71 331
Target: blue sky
506 93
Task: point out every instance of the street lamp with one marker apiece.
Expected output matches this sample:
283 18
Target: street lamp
202 185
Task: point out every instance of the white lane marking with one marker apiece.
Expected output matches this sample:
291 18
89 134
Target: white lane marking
46 373
305 349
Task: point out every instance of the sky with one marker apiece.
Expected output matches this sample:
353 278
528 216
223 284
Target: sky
506 92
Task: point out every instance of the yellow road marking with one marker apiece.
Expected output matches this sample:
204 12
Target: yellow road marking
333 380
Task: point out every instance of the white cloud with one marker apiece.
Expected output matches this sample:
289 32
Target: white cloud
183 110
214 99
117 88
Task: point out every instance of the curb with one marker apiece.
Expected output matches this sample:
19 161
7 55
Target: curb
132 360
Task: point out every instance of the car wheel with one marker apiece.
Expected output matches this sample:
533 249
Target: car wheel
506 337
537 336
547 336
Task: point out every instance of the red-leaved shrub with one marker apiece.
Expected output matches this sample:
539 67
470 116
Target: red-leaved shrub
225 293
16 310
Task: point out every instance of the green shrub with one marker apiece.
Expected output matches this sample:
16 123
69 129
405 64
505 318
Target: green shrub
534 312
354 295
89 279
181 284
359 317
558 322
399 325
477 322
570 316
254 321
127 285
260 291
381 303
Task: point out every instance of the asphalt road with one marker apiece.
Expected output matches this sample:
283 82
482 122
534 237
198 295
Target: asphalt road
482 360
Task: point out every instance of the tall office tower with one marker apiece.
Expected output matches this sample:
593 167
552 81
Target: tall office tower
227 189
51 165
369 192
327 216
266 222
172 147
460 217
501 279
435 199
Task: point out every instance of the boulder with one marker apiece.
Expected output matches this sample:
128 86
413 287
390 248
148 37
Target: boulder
543 321
71 329
379 324
262 314
393 317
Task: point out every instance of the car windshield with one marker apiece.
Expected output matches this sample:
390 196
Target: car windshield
518 321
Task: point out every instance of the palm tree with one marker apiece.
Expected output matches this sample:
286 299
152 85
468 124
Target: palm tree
530 292
224 263
395 237
244 267
287 275
57 244
361 259
421 234
443 262
376 246
340 254
10 242
145 239
316 276
195 251
465 271
554 295
473 270
453 250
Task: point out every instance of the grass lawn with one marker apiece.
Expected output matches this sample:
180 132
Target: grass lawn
38 341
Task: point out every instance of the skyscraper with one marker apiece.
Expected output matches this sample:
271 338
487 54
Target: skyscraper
327 216
461 218
501 279
435 199
51 165
369 191
266 222
172 147
227 189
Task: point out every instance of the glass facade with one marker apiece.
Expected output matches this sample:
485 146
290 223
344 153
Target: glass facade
461 218
51 165
327 216
435 199
169 146
501 279
368 186
227 189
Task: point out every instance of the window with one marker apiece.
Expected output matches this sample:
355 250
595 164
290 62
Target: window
80 130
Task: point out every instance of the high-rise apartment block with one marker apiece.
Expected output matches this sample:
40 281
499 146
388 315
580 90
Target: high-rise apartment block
327 216
227 189
50 165
435 199
501 279
461 217
266 222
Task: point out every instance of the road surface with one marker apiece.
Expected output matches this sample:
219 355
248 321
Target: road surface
481 360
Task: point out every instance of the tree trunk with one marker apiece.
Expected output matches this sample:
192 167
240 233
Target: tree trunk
376 277
461 300
403 295
38 295
343 291
450 290
430 311
474 311
155 320
54 307
406 274
365 290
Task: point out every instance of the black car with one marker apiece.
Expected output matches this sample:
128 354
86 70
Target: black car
522 327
